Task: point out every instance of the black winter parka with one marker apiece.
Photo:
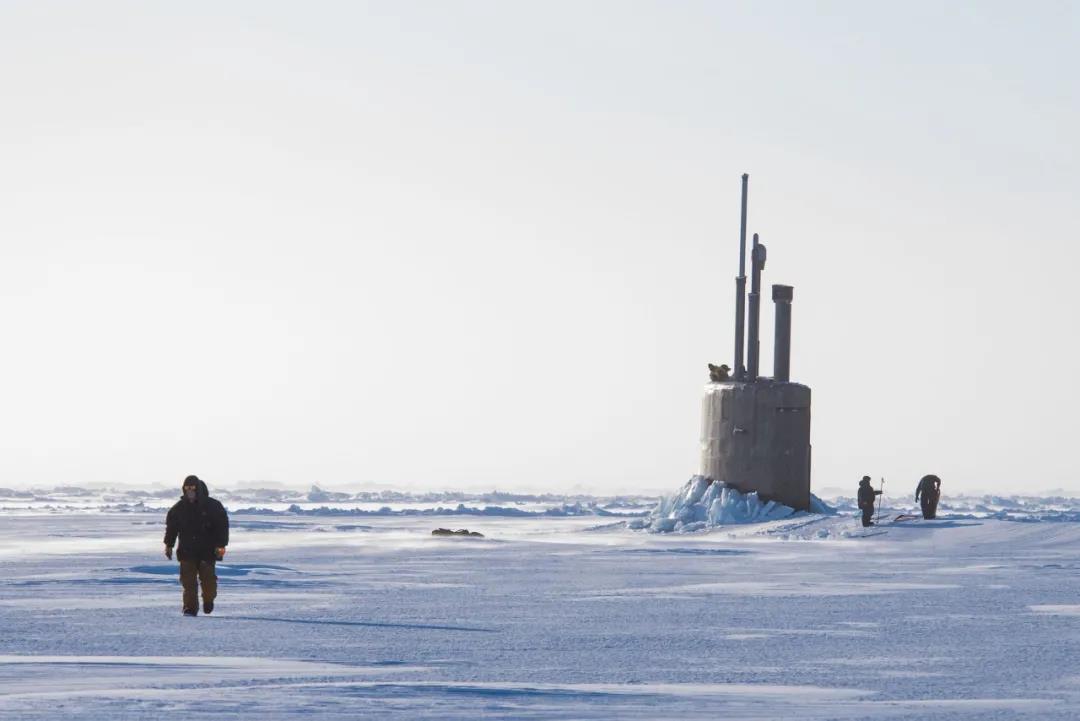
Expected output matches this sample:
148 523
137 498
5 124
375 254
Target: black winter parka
929 486
867 495
202 526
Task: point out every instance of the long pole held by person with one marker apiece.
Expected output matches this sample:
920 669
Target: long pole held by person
881 500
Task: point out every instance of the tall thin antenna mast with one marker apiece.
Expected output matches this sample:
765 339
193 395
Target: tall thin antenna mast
740 289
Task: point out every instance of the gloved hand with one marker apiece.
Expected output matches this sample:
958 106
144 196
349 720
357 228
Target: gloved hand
168 552
220 553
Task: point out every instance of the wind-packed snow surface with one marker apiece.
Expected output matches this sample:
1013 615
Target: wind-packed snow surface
324 615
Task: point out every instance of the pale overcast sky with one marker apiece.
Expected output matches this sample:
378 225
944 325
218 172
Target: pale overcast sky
492 244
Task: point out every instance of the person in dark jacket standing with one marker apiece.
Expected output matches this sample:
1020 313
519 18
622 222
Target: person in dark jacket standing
202 526
867 495
930 490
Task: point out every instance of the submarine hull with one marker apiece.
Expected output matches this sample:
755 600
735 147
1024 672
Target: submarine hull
756 437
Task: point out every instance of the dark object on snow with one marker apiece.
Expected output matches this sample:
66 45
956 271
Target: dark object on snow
202 527
867 495
194 574
755 430
720 373
191 612
929 489
208 607
202 524
458 532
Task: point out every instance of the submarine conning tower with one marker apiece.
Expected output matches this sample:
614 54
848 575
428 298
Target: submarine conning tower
755 430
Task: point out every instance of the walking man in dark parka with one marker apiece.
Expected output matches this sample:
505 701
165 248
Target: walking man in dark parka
202 526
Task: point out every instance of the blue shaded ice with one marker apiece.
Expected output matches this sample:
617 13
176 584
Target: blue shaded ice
702 503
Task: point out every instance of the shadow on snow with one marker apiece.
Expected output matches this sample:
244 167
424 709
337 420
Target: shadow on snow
368 624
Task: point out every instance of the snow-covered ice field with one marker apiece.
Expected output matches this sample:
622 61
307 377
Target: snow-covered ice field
345 615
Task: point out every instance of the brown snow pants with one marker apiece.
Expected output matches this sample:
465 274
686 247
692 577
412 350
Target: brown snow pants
193 573
929 504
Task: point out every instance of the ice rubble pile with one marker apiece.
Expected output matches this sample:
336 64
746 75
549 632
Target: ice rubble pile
316 501
702 504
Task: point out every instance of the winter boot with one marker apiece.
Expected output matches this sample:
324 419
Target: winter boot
208 607
191 612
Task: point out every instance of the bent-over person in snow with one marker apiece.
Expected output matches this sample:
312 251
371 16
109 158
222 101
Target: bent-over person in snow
202 525
867 495
930 490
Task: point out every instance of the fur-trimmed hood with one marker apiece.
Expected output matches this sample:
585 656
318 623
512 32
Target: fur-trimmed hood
201 491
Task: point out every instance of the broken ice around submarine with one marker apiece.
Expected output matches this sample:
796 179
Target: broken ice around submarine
703 503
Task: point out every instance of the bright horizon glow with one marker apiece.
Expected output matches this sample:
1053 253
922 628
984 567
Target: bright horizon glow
484 245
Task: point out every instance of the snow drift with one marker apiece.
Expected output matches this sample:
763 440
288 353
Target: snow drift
702 504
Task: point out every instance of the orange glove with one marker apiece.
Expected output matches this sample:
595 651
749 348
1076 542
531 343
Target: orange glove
220 553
